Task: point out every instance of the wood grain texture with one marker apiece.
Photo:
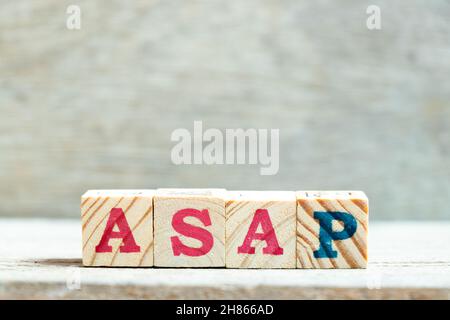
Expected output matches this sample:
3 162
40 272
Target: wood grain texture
95 108
167 202
46 254
240 211
137 205
351 252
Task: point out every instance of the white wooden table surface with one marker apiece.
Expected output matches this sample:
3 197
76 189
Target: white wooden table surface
42 259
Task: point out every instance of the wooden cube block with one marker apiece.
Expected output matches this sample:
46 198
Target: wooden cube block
190 228
117 228
332 229
260 229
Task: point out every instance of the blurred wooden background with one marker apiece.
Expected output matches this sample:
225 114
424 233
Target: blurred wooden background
94 108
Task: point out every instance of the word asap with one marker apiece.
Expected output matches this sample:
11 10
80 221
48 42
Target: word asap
219 228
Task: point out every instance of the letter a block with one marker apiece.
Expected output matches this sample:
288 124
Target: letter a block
117 228
190 228
332 229
260 229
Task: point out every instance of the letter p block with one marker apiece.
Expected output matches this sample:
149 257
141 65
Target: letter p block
332 229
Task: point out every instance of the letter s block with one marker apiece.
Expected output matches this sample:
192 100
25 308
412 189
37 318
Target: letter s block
117 228
190 228
260 229
332 229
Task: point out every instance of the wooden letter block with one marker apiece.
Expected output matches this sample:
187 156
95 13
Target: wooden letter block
190 228
332 229
260 229
117 227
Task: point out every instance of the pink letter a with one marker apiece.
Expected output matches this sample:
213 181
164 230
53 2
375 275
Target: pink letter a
117 217
262 218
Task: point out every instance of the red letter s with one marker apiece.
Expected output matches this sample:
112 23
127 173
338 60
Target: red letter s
191 231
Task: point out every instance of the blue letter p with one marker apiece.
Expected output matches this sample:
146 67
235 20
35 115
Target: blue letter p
327 235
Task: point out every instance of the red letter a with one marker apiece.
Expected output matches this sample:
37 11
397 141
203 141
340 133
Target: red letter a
117 217
262 218
191 231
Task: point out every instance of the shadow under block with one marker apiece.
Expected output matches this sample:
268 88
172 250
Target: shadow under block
117 228
260 229
332 228
189 228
